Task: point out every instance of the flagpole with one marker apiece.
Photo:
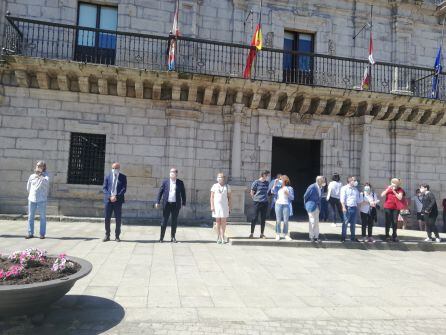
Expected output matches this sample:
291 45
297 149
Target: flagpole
260 25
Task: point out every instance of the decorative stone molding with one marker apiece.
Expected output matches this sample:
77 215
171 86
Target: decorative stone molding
302 102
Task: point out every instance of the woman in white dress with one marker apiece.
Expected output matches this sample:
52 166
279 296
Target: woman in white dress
220 205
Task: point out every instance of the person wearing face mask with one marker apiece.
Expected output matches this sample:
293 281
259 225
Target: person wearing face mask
114 188
312 198
323 215
283 207
37 187
274 187
393 203
333 194
172 194
220 206
368 212
350 201
418 202
259 194
430 213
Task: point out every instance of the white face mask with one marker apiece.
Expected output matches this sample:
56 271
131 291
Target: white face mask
220 179
115 171
324 184
367 189
355 183
172 175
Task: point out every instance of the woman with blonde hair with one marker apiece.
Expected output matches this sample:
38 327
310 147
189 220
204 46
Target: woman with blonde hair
220 205
283 207
393 202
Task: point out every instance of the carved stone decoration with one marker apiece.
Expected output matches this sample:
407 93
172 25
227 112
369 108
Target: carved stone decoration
269 39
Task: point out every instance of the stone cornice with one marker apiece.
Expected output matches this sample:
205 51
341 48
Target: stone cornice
188 92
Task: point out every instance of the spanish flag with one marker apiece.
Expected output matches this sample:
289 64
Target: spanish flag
256 45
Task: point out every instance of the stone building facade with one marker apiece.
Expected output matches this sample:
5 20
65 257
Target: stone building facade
201 123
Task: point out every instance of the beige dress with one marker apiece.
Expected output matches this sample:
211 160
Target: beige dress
221 203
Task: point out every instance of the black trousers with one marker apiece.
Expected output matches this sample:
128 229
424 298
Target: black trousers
336 206
391 219
111 207
170 209
260 209
367 224
431 226
444 221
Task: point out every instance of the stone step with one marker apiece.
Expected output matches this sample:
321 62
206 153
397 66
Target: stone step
378 245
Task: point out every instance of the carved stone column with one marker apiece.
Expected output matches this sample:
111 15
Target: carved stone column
365 151
237 186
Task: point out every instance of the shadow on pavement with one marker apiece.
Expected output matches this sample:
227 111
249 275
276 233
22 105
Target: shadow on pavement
73 314
65 238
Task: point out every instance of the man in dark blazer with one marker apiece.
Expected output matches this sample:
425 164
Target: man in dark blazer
430 213
114 188
172 195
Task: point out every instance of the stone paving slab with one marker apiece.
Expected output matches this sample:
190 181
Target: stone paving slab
196 286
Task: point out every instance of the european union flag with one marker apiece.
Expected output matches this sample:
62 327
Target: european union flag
436 77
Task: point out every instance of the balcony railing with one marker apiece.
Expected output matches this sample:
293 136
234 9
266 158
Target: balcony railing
141 51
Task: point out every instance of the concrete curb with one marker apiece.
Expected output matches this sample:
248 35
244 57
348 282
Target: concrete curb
400 246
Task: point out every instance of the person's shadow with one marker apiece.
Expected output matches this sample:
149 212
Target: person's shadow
73 314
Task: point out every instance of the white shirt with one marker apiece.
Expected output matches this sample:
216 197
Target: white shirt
172 190
282 197
368 198
334 189
38 187
114 184
350 196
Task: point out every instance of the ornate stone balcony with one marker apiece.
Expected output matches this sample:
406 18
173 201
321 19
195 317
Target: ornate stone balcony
70 58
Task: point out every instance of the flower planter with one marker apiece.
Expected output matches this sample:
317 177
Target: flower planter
35 298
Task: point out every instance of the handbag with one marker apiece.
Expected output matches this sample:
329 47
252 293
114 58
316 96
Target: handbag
405 212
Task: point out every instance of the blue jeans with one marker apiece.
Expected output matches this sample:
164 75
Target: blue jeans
32 206
349 217
282 214
323 214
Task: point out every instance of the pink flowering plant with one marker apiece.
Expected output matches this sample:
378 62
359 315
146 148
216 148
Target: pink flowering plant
62 264
15 271
30 257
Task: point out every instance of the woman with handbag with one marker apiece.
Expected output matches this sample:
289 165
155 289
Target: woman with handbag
283 207
369 202
393 203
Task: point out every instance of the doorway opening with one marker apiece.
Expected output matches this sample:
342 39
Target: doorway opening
300 160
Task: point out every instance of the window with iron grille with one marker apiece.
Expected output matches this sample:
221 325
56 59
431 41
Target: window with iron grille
87 159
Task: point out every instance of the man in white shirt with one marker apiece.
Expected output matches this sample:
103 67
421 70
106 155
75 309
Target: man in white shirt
350 201
333 195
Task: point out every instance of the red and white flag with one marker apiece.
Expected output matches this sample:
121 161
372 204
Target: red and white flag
367 78
173 39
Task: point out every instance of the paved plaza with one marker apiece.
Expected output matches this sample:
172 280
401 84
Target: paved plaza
139 286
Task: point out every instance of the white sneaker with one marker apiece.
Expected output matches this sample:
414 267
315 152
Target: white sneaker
287 238
277 237
427 239
438 240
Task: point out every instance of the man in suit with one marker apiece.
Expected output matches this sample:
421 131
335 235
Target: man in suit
430 213
172 195
114 188
312 199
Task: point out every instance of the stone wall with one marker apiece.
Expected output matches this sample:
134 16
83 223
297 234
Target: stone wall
406 32
149 136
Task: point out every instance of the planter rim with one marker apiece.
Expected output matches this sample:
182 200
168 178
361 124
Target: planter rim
85 269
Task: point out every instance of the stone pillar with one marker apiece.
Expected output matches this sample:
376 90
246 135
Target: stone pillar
365 151
237 186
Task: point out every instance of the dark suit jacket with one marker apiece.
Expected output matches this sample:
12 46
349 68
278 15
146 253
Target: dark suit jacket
180 193
121 187
429 205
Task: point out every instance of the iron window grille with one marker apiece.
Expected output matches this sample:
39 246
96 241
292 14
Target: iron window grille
87 159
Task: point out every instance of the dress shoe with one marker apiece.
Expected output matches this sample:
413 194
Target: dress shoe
42 237
29 236
106 238
173 240
160 241
117 239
